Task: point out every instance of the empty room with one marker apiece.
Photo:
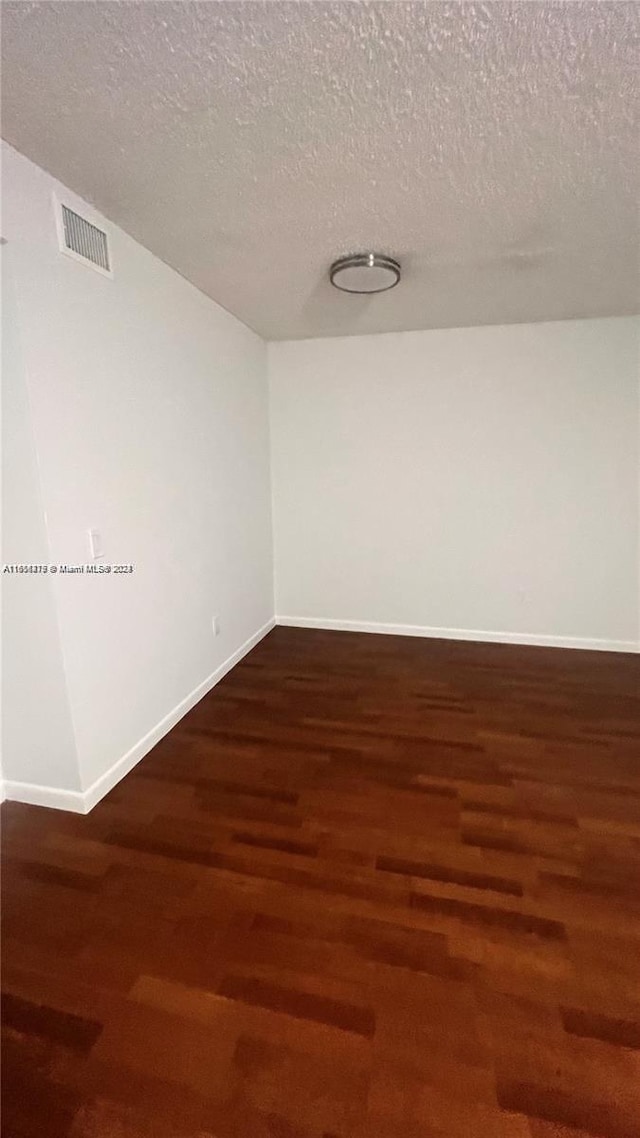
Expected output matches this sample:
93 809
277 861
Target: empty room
320 569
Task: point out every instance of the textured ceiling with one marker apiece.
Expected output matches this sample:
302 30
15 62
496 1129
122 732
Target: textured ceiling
492 148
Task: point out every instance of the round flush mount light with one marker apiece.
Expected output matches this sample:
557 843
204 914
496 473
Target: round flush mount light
365 272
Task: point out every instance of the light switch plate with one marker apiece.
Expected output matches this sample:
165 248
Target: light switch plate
96 549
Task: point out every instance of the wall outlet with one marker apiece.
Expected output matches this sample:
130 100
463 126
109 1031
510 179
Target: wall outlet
215 624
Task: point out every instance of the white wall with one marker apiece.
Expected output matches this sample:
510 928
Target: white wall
150 422
480 479
38 744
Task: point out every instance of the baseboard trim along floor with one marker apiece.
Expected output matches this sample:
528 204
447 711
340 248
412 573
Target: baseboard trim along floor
527 638
81 802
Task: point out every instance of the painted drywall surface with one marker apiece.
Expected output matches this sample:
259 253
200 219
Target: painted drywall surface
478 479
38 745
150 420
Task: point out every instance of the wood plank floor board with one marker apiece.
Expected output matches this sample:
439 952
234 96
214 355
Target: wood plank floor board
370 886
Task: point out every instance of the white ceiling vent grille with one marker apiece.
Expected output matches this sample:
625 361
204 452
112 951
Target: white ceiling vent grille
79 239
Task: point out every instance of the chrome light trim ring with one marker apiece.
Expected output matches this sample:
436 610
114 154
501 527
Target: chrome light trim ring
365 261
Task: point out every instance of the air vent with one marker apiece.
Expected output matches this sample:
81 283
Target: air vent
79 239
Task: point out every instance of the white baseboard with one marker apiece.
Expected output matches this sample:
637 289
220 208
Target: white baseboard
81 802
110 778
530 638
34 795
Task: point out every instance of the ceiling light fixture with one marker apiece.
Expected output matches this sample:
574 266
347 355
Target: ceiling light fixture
365 272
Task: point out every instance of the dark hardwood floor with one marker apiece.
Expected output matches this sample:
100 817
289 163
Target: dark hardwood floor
370 887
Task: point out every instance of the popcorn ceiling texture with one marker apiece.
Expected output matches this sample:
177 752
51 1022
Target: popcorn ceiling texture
492 148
